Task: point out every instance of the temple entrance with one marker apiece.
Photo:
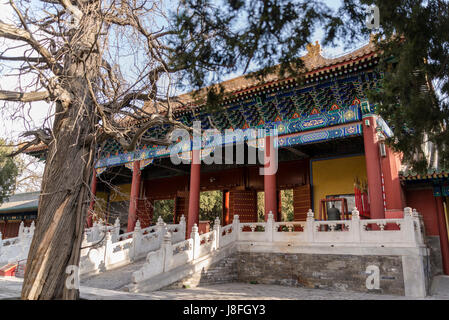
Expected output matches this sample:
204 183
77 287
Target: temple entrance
286 211
260 206
163 208
211 207
285 206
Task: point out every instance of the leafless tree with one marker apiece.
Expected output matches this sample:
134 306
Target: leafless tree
99 62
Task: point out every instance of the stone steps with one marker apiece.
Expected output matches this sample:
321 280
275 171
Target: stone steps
114 279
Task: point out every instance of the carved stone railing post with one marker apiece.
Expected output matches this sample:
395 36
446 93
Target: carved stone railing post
419 230
182 226
167 251
95 234
108 249
85 240
161 230
32 228
408 228
236 227
137 240
116 230
217 232
196 241
21 231
269 227
354 226
310 225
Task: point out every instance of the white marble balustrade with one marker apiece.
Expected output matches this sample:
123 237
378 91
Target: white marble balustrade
114 250
16 249
406 232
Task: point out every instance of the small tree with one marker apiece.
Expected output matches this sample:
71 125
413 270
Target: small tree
8 171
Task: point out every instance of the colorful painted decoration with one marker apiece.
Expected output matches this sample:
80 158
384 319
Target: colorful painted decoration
315 111
335 107
100 170
323 105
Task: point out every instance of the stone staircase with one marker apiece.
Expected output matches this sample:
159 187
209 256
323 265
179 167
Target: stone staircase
115 279
223 271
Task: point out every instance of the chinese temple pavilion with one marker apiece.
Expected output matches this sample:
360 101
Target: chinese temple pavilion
21 207
330 147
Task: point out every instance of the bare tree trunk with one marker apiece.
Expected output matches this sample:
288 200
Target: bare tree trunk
65 185
61 213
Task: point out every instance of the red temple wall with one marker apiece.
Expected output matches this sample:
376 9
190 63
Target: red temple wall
424 202
10 229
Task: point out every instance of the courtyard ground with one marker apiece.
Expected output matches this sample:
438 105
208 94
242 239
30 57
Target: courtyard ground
10 289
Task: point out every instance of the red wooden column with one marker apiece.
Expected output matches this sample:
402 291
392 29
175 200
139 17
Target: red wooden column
194 192
270 180
133 197
225 208
93 192
394 197
373 169
442 230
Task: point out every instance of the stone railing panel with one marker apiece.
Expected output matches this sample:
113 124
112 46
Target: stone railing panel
182 253
256 231
227 235
289 232
332 231
119 253
153 266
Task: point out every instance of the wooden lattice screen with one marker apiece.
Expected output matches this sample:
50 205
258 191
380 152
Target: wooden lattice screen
301 202
243 203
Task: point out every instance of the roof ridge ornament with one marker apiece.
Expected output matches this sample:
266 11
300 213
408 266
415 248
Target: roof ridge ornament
313 50
314 58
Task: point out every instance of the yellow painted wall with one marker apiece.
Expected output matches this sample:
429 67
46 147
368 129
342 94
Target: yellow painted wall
101 202
118 193
336 176
121 193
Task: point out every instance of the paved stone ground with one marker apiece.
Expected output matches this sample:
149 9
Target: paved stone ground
10 289
244 291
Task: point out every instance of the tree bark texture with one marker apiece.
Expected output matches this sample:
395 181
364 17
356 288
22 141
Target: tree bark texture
64 200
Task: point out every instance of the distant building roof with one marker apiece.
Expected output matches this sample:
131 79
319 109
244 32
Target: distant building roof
21 202
431 175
